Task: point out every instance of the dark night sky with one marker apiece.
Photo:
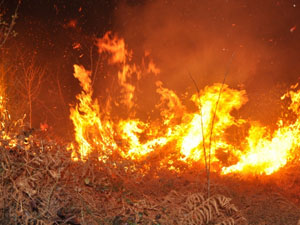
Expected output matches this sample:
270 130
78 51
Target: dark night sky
183 36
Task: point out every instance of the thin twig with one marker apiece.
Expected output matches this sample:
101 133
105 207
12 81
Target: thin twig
213 120
51 194
12 24
202 126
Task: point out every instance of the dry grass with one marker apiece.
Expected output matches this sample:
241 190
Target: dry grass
40 184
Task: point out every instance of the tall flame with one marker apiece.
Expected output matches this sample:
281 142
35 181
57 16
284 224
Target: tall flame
91 131
178 128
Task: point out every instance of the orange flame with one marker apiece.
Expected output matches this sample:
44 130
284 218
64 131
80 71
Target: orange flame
179 128
90 130
266 153
119 55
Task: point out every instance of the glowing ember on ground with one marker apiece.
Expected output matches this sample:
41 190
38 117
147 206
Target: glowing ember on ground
179 129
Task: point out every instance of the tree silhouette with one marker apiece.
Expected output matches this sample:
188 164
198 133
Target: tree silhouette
29 83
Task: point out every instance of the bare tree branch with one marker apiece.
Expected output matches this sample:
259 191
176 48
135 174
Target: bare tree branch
6 31
29 84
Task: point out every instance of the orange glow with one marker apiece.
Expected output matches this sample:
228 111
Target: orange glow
5 119
292 29
71 24
266 152
90 130
179 128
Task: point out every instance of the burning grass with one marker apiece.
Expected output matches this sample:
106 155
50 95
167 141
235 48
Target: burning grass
130 171
41 184
180 135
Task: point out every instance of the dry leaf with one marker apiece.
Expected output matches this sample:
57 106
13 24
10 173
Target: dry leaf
23 184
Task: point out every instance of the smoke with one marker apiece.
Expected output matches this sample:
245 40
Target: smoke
200 37
192 36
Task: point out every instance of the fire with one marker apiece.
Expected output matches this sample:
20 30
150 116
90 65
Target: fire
7 126
180 130
120 55
267 153
193 136
90 130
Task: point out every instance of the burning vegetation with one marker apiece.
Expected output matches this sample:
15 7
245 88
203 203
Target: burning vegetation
139 151
179 136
